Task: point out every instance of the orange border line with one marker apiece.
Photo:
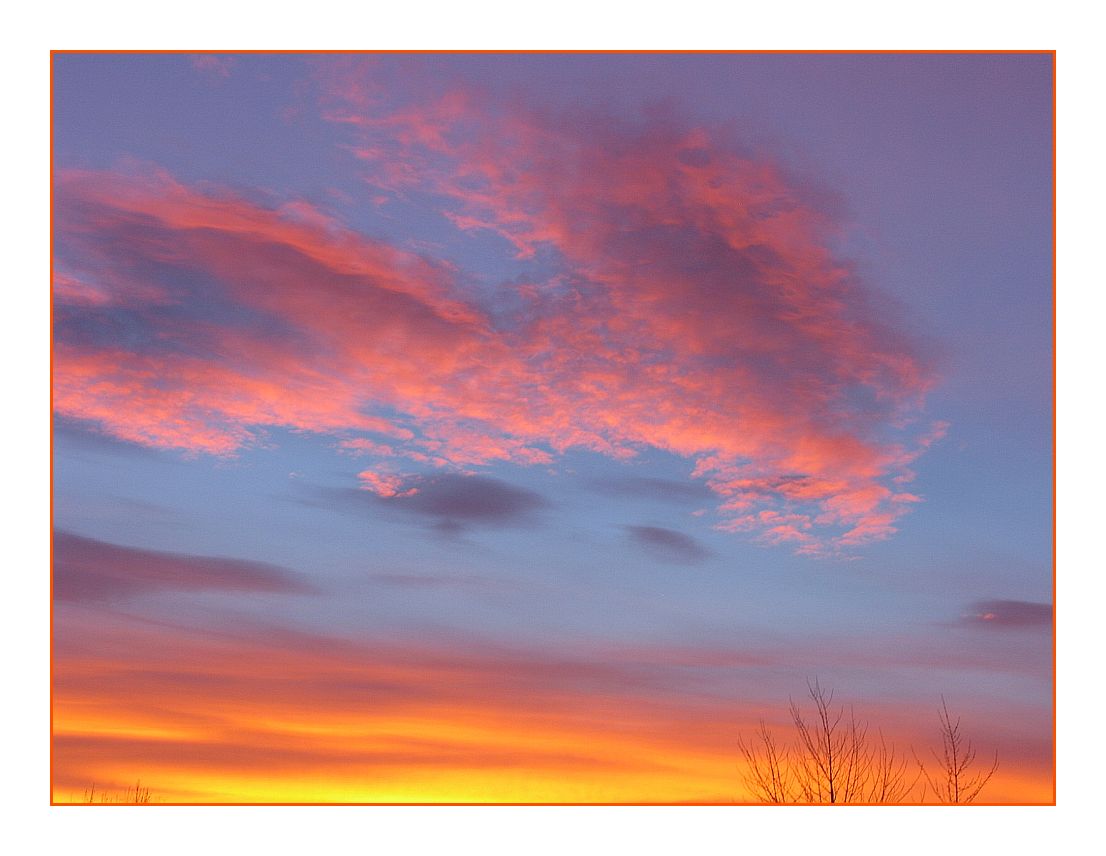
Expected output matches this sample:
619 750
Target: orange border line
524 52
51 417
965 806
1055 444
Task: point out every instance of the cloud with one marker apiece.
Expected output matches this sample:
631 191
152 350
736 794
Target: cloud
451 499
680 294
213 66
1007 614
469 498
89 570
641 487
73 437
438 581
668 544
695 291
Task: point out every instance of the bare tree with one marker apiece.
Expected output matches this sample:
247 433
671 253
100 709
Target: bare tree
955 780
768 768
833 759
891 782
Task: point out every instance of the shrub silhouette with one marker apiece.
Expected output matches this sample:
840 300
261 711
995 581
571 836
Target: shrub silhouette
136 795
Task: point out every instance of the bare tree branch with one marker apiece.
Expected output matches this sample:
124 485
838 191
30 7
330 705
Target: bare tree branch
955 781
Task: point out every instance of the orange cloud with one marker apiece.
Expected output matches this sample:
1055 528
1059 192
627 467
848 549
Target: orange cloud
688 302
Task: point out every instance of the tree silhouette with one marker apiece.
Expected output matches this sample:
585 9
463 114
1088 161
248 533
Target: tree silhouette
835 759
955 780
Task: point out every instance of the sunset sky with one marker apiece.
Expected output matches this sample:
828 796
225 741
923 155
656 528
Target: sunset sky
526 428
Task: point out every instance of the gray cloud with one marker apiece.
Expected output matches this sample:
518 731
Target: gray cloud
670 490
468 498
1008 613
434 581
89 570
449 501
668 544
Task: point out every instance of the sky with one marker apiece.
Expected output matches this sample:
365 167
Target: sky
527 428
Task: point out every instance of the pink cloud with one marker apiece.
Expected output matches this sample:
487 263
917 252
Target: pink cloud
694 307
384 484
365 446
69 289
213 66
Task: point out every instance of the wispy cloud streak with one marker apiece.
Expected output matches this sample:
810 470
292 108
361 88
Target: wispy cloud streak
86 569
668 544
1004 614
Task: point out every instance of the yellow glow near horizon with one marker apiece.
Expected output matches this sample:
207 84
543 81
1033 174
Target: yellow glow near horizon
216 719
